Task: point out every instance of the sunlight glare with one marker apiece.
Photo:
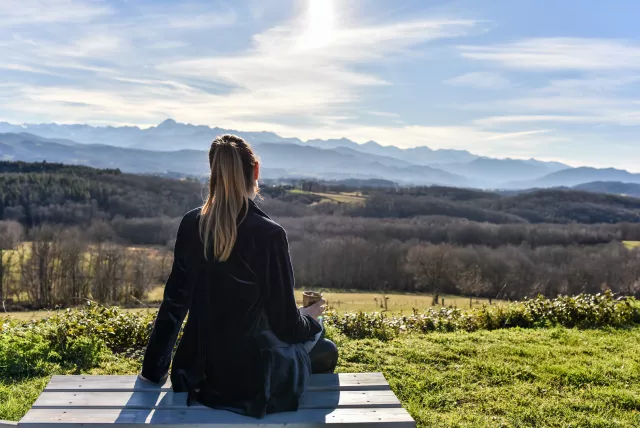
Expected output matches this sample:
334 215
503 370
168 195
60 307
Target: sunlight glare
320 24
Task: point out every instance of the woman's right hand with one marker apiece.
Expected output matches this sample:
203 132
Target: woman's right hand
315 311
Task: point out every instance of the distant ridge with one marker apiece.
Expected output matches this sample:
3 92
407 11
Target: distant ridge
576 176
178 148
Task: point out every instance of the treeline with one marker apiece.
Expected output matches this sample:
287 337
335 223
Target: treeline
68 233
462 232
53 267
70 195
541 206
59 267
41 193
507 272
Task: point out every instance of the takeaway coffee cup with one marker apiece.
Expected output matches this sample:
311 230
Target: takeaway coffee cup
310 297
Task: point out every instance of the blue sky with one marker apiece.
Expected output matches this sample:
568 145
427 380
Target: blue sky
555 80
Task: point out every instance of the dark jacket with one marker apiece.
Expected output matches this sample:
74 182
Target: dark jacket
241 346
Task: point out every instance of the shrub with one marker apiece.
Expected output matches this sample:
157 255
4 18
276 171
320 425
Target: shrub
27 354
582 311
118 330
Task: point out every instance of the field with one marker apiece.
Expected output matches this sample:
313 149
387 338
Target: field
506 378
342 197
632 244
339 301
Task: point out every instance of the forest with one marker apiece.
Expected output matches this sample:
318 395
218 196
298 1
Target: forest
70 232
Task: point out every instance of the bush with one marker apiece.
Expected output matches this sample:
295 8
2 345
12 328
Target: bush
83 353
27 354
118 330
582 311
77 339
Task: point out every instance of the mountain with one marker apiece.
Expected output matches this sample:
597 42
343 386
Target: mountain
334 164
575 176
177 147
171 136
167 136
611 187
291 159
416 155
487 172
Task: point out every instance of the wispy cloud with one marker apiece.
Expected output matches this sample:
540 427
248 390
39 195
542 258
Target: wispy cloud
14 13
279 76
560 54
480 80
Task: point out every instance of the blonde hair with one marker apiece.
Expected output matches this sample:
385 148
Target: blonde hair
231 183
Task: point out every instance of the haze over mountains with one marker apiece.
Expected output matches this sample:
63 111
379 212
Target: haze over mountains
181 148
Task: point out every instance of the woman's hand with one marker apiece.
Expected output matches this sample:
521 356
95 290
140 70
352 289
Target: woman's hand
315 311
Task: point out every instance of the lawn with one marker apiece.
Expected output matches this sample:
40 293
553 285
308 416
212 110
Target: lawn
632 244
552 377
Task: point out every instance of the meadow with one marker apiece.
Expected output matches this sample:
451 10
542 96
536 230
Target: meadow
355 198
341 302
631 245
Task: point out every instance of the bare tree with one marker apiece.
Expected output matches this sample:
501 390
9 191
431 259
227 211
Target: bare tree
10 234
433 267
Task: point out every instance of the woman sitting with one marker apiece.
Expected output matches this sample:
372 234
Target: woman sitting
246 346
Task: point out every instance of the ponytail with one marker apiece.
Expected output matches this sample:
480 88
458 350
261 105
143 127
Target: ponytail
231 183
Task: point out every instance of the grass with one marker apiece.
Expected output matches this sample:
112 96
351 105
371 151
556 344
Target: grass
397 303
510 378
341 302
341 198
632 244
505 378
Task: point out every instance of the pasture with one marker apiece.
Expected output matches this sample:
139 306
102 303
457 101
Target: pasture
632 244
338 197
341 302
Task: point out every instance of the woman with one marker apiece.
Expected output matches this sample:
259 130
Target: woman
246 346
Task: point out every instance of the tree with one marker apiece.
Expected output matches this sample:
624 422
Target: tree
10 234
433 267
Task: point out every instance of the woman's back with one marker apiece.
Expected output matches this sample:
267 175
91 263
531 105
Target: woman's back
237 293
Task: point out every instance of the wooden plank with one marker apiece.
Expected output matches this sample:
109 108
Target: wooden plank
326 382
177 401
208 418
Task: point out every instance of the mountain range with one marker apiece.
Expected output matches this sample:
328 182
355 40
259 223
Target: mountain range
181 148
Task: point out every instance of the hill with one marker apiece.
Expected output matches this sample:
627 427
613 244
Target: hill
40 193
171 136
487 172
612 187
576 176
537 206
279 159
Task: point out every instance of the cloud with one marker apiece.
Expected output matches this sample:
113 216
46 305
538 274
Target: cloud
480 80
206 20
31 12
383 114
543 54
278 75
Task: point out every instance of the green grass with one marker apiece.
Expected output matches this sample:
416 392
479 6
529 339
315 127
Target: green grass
511 378
632 244
505 378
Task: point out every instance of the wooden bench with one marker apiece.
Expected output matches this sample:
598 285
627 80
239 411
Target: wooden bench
349 400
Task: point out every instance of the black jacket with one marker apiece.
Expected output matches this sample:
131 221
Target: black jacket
241 346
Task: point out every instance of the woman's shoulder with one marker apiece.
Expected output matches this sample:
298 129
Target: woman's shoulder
261 224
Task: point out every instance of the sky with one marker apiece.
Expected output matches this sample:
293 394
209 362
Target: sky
550 79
